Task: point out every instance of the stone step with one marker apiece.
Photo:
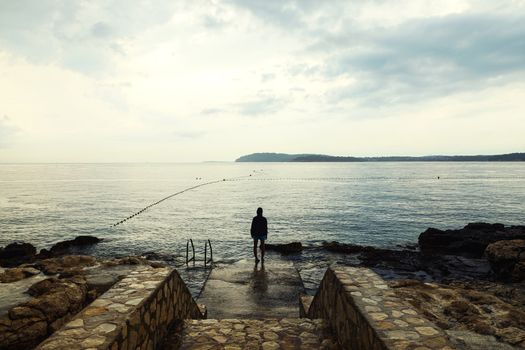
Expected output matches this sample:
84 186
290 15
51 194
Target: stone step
264 334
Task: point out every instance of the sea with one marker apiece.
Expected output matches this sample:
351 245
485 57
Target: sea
156 208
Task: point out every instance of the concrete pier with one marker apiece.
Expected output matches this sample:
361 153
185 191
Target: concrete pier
248 290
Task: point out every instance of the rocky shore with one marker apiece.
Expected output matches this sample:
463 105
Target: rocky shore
41 292
469 281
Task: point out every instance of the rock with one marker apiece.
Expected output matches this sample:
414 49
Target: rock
337 247
401 260
56 300
507 259
16 253
28 334
469 307
43 286
63 297
69 264
65 246
159 257
470 241
17 274
129 260
475 341
158 264
288 248
20 312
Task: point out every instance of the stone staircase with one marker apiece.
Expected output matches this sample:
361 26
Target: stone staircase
252 307
265 334
256 307
249 308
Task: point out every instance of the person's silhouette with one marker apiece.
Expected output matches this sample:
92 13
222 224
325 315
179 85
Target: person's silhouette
259 232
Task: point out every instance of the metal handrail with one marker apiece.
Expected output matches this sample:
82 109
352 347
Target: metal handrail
206 261
187 251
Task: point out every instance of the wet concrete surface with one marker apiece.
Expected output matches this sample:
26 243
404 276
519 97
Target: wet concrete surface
249 290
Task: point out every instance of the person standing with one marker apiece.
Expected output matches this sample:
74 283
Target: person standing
259 232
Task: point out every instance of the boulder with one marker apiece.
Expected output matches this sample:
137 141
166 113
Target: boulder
159 257
467 306
56 300
44 286
17 253
470 241
17 274
68 265
66 246
128 260
288 248
507 259
399 260
345 248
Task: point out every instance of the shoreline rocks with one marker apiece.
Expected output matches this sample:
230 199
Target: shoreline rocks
471 315
287 248
469 241
345 248
74 281
466 296
18 253
16 274
507 259
79 241
55 302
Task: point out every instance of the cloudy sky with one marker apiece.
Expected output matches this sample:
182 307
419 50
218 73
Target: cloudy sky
152 80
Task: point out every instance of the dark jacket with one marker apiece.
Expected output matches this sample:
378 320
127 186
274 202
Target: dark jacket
259 226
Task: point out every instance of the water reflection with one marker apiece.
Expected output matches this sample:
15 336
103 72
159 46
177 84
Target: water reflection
259 278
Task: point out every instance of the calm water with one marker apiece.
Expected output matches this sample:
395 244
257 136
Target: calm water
381 204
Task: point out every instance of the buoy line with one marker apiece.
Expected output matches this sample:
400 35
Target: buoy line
250 178
176 194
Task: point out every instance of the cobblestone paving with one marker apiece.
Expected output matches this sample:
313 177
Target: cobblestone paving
267 334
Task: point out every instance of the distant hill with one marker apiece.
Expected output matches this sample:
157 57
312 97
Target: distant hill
270 157
283 157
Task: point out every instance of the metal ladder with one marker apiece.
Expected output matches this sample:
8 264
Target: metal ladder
206 260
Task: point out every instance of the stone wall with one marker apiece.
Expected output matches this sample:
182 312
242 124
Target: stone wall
135 313
366 314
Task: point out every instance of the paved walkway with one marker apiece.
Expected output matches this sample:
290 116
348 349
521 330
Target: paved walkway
254 291
252 306
270 334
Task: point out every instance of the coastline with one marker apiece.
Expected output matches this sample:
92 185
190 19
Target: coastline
462 280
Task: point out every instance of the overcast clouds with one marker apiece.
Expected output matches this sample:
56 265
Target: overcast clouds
86 81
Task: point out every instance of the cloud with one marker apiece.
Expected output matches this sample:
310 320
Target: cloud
101 30
162 76
292 14
7 131
392 54
428 57
261 105
212 111
267 77
188 134
81 36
